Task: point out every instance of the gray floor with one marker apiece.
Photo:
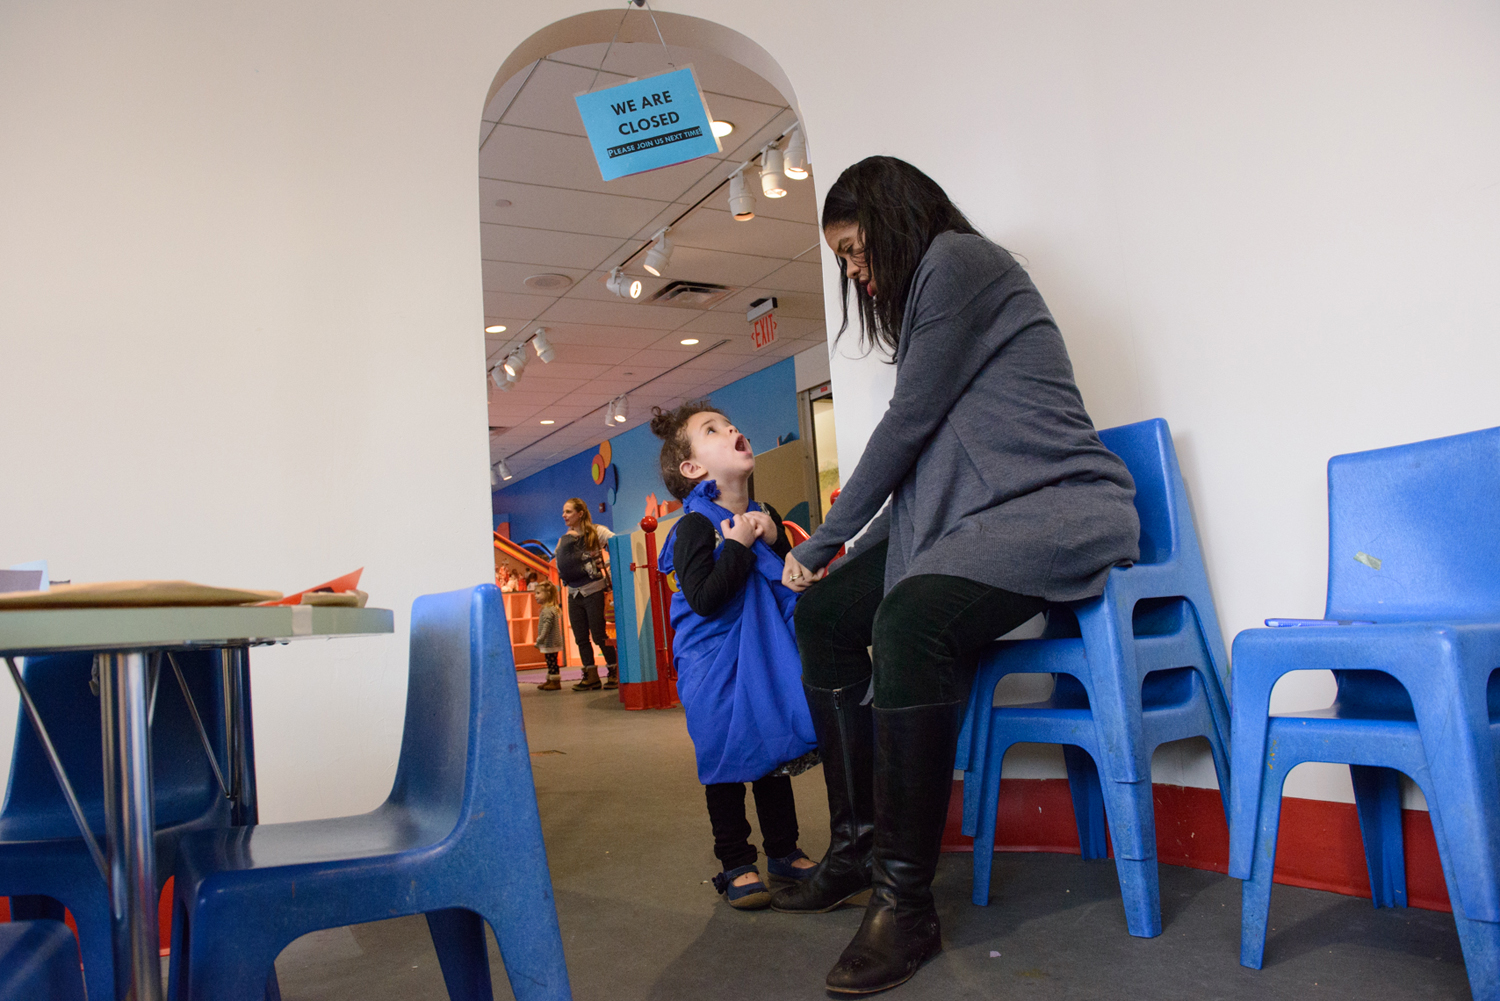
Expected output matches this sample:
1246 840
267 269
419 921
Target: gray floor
627 835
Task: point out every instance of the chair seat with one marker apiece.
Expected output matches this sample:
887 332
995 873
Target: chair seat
388 831
39 962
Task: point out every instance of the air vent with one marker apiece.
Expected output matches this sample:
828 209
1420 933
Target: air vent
692 295
548 283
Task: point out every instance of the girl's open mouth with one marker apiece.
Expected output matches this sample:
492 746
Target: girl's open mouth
741 444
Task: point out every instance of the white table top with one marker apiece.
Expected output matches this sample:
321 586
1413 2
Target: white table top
45 631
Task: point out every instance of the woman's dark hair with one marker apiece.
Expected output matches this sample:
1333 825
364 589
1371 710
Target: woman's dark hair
899 211
670 426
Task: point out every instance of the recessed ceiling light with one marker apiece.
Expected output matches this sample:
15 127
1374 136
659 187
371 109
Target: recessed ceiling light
498 328
548 282
689 341
722 129
549 422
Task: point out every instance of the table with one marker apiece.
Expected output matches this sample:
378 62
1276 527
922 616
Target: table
129 645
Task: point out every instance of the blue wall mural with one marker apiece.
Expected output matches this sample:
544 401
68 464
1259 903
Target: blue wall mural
533 506
763 405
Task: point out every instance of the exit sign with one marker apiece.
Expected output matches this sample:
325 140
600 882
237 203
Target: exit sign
762 317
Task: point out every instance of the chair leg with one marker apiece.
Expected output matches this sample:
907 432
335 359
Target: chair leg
96 944
1088 802
1377 794
988 799
1132 827
531 946
458 936
1255 892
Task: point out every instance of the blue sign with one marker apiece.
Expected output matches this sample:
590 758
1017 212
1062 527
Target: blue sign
649 123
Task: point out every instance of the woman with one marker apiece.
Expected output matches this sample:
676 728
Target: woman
1002 499
581 567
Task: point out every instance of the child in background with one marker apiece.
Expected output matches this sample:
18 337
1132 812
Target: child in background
738 671
549 636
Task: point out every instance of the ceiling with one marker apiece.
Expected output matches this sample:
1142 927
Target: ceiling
562 219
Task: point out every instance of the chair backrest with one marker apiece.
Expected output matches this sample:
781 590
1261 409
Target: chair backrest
463 708
1160 497
185 787
1413 532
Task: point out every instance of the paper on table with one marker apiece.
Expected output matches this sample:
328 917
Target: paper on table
14 580
132 594
348 582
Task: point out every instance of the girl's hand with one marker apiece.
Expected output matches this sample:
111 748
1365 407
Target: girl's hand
795 576
739 528
765 528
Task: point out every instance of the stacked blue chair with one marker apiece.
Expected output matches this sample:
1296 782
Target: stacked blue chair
459 839
1140 665
45 865
38 962
1413 546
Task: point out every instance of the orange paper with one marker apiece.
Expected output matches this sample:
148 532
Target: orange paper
348 582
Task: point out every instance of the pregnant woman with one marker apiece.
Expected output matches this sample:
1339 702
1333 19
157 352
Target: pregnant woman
1001 499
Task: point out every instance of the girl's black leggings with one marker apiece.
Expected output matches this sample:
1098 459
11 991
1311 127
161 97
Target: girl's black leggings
774 808
926 633
586 615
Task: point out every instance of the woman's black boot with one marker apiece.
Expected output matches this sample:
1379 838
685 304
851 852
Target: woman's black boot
913 777
846 741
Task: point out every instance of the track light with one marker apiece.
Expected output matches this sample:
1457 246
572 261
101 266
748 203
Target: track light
623 285
617 412
502 469
499 378
794 163
516 363
543 348
772 181
659 255
741 201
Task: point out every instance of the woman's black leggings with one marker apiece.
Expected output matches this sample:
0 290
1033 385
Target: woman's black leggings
926 632
586 615
775 808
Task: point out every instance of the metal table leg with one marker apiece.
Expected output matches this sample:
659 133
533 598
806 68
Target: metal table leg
129 822
239 738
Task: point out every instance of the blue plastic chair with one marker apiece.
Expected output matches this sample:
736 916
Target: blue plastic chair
39 962
44 864
1140 665
1413 545
459 839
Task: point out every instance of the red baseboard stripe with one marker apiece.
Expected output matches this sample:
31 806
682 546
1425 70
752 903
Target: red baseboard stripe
1319 844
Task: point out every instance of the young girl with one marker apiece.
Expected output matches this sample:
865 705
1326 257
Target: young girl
580 564
736 653
549 637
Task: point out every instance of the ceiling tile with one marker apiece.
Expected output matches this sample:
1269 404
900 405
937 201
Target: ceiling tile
576 310
504 276
710 226
543 206
547 102
565 161
507 91
646 58
504 304
546 248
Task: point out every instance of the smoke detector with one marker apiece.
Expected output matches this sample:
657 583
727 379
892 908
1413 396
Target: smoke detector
692 295
548 283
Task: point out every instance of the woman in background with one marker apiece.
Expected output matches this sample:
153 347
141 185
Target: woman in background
584 571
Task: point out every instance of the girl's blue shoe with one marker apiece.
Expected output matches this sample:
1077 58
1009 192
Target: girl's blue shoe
782 868
750 897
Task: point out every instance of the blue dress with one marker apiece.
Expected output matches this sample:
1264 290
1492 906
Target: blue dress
739 674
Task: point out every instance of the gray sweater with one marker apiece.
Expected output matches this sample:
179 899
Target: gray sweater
993 469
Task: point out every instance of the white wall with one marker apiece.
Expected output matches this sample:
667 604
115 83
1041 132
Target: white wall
240 291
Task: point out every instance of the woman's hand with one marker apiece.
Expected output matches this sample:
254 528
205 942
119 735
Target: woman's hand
739 528
765 528
795 576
